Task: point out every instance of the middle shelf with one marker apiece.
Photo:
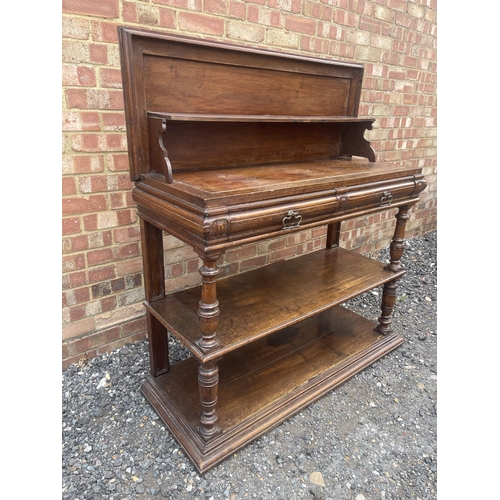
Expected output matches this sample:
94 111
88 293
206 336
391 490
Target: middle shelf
262 301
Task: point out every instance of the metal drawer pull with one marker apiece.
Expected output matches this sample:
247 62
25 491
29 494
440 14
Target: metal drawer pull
386 198
291 214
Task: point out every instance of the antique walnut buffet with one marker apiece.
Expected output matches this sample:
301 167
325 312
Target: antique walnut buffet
230 145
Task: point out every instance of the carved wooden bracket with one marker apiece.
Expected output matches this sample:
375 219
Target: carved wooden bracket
158 154
353 141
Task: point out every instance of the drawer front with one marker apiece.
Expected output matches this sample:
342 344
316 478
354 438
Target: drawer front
283 217
246 222
381 196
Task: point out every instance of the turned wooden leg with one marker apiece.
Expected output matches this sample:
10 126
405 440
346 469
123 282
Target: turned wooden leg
208 381
396 252
154 288
208 311
388 299
398 240
208 373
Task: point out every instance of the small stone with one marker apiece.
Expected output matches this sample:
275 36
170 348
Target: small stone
317 479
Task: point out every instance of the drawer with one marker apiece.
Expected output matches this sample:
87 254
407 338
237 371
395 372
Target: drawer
244 223
384 195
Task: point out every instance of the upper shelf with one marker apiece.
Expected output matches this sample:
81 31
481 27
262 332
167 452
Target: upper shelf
257 303
196 117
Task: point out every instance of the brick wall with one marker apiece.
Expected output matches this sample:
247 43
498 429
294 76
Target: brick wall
102 268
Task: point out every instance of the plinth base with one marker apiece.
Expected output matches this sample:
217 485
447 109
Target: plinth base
267 381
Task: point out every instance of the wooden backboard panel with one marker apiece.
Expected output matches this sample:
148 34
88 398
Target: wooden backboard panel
184 86
174 74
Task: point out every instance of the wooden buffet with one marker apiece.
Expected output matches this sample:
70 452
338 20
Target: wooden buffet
230 145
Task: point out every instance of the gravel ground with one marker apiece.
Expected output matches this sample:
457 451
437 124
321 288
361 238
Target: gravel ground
372 438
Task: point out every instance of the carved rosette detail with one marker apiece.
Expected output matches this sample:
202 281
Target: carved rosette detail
219 228
343 203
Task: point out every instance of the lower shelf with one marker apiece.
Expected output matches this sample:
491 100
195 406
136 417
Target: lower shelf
267 381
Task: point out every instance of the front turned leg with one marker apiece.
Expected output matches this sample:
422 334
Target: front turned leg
208 310
208 382
208 373
396 252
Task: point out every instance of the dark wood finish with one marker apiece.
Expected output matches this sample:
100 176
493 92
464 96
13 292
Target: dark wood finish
267 381
265 300
154 286
390 288
333 234
230 145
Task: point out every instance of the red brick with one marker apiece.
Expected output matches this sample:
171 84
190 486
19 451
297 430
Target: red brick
101 274
77 328
258 261
200 23
76 313
369 24
346 18
113 121
68 186
237 9
296 6
110 77
105 99
118 200
76 75
94 340
241 253
129 12
118 162
77 296
126 217
126 234
282 254
167 18
90 222
79 205
300 25
134 326
98 53
108 303
401 111
78 279
76 98
102 8
87 164
103 31
79 243
126 251
101 256
71 225
216 7
94 143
